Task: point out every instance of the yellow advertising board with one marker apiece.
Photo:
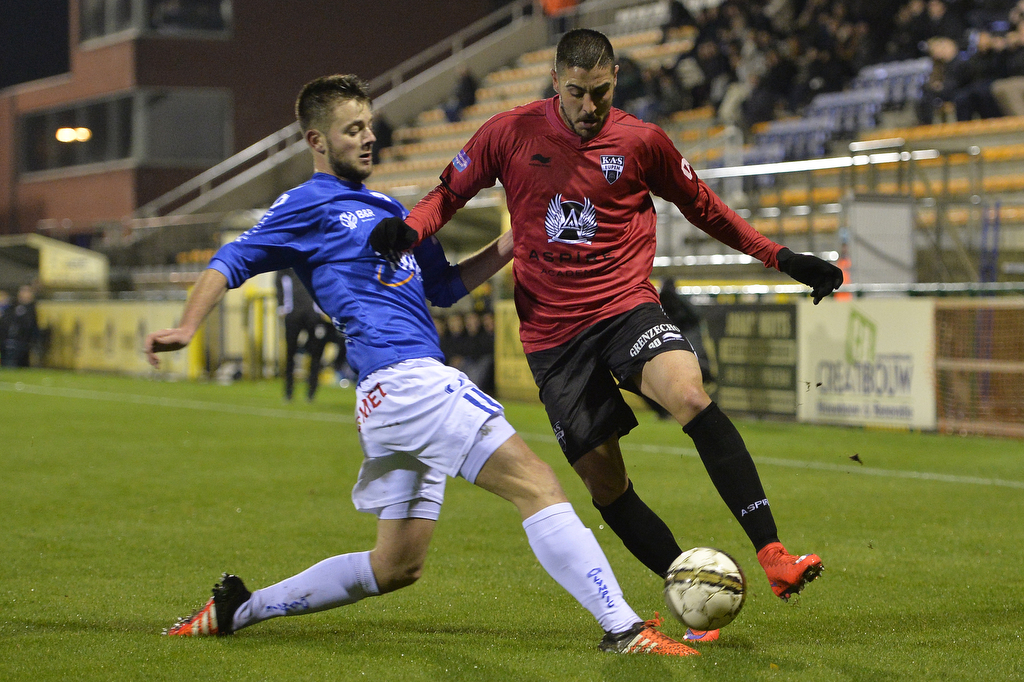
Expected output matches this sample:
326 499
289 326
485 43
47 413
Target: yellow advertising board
512 377
109 335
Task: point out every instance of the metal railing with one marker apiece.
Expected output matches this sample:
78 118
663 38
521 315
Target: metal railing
931 186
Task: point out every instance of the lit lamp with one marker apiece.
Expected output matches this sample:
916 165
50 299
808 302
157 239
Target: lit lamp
68 135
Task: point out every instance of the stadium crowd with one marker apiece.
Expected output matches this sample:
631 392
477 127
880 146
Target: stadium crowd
756 61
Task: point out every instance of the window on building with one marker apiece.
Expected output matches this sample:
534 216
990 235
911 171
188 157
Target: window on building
171 16
92 133
105 17
165 17
187 128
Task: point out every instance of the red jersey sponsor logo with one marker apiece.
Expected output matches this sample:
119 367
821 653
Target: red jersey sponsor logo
570 222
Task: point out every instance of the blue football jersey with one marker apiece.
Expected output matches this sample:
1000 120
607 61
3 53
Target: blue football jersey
321 229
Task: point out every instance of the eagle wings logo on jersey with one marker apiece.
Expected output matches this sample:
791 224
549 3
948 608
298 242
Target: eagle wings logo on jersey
570 222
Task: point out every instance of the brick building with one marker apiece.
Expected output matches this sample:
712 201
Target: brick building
158 90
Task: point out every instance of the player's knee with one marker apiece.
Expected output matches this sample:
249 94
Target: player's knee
395 577
537 485
688 401
548 486
606 489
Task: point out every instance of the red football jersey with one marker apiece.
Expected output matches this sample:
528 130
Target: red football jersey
583 220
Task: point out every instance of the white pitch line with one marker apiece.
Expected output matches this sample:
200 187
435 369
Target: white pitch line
135 399
820 466
204 405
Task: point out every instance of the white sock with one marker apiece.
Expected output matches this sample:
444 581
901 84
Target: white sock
569 552
337 581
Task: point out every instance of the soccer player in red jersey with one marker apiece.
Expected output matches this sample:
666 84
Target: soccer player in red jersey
578 175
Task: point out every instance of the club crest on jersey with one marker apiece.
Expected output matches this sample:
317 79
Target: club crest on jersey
612 167
570 222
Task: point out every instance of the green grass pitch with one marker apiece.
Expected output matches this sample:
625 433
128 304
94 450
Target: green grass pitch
124 499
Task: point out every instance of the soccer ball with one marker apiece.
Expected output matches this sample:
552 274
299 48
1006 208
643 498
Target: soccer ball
705 588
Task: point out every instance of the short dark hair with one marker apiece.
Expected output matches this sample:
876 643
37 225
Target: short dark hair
583 48
318 98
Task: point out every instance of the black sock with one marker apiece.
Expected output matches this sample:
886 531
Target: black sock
733 472
641 531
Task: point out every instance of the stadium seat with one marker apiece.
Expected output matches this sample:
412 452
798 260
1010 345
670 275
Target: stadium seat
901 81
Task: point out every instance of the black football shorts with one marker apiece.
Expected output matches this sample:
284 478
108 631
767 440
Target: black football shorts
577 379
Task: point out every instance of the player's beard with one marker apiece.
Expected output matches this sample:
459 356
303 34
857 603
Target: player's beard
344 169
586 134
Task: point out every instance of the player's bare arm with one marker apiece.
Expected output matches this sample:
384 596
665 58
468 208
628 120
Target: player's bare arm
482 265
209 289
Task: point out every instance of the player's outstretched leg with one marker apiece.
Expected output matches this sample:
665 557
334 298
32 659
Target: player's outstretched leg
568 550
215 618
788 574
333 582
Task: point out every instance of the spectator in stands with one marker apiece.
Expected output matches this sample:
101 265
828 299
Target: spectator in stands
1009 91
487 324
973 96
629 85
478 362
20 329
715 74
907 34
749 57
942 20
670 93
463 95
384 132
937 90
300 314
663 95
678 17
962 79
454 343
770 94
820 72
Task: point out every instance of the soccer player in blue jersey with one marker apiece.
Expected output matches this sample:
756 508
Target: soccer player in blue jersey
419 420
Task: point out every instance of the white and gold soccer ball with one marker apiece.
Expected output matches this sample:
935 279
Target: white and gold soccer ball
705 588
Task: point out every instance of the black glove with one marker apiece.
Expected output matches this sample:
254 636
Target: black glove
391 237
822 277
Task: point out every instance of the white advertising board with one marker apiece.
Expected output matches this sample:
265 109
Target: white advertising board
867 362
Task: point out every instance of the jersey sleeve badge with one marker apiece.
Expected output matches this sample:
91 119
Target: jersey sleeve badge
461 161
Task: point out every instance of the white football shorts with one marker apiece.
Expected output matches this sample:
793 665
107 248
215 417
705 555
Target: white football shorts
420 421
